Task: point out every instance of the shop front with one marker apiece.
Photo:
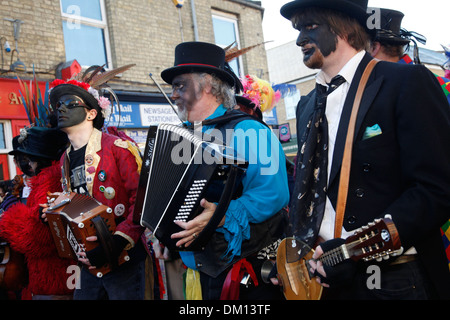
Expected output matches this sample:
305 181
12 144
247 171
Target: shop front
13 117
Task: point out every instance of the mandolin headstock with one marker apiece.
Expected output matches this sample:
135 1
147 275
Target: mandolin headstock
378 240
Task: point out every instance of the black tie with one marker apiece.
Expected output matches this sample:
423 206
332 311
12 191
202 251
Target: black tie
309 197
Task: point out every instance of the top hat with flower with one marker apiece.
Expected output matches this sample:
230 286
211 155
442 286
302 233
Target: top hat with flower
89 86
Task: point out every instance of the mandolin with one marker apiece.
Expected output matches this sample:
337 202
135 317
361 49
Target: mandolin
377 241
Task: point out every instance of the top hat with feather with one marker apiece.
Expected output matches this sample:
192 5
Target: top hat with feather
195 57
87 86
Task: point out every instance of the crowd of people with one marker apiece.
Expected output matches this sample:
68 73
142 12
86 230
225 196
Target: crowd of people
398 166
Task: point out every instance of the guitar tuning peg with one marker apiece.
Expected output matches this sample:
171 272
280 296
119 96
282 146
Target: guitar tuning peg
388 216
397 252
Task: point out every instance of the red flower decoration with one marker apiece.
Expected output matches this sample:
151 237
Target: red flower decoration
58 82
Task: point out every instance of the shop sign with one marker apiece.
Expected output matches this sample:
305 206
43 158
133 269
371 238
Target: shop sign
141 115
11 106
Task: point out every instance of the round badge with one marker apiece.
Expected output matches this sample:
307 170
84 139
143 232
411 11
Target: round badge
89 159
89 179
101 175
91 170
119 209
109 193
102 188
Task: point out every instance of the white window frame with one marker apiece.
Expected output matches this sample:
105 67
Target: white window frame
234 20
7 131
101 24
290 105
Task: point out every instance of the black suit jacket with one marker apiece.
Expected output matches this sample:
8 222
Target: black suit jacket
404 171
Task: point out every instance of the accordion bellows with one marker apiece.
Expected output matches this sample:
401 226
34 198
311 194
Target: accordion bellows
179 169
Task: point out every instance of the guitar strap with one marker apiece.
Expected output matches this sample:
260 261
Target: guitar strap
346 160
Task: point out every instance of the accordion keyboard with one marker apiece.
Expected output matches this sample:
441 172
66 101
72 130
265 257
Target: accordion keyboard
191 198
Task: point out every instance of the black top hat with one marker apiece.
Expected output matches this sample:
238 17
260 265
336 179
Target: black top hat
195 56
69 89
354 8
48 143
16 144
390 24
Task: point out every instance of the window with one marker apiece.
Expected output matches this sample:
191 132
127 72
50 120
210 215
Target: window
6 161
2 136
290 102
226 33
85 32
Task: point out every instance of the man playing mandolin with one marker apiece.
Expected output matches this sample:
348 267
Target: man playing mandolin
398 163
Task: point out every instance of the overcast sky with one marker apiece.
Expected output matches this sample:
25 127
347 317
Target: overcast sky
430 18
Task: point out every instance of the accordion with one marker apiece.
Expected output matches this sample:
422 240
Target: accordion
72 218
179 170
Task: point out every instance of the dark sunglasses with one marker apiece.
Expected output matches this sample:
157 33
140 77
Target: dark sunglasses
71 103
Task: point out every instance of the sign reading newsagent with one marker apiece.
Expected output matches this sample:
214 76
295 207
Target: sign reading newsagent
141 115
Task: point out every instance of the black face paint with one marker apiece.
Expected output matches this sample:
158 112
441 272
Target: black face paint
70 111
317 41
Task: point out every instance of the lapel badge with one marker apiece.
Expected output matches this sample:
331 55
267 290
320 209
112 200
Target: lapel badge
119 210
102 175
109 193
89 159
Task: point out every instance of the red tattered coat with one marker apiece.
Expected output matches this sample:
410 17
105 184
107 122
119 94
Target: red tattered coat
21 227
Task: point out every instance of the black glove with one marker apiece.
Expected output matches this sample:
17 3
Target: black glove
340 274
98 257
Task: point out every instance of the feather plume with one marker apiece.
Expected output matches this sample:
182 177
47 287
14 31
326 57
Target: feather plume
232 53
91 72
101 78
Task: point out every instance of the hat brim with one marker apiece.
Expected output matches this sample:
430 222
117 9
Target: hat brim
65 89
169 74
391 40
347 7
37 154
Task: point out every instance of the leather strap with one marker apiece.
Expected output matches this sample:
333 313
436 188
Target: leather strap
346 160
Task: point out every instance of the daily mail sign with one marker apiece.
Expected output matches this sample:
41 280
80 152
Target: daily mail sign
141 115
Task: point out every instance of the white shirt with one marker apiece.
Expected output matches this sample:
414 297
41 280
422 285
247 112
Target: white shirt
333 111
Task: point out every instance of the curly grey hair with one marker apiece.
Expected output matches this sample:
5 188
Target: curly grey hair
223 92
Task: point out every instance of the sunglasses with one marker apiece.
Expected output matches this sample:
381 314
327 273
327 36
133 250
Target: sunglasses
71 103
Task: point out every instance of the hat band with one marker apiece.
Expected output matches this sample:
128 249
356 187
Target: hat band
196 64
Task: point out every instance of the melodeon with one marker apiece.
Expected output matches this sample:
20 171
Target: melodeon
179 170
72 218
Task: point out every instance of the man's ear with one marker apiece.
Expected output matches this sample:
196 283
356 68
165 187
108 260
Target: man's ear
91 114
375 48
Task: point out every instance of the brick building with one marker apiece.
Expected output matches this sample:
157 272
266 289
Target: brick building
48 35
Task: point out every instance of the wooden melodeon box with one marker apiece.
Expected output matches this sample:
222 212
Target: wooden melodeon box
72 218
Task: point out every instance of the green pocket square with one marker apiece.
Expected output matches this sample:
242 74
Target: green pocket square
371 132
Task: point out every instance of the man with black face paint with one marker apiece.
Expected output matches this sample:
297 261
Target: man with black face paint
399 161
106 168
